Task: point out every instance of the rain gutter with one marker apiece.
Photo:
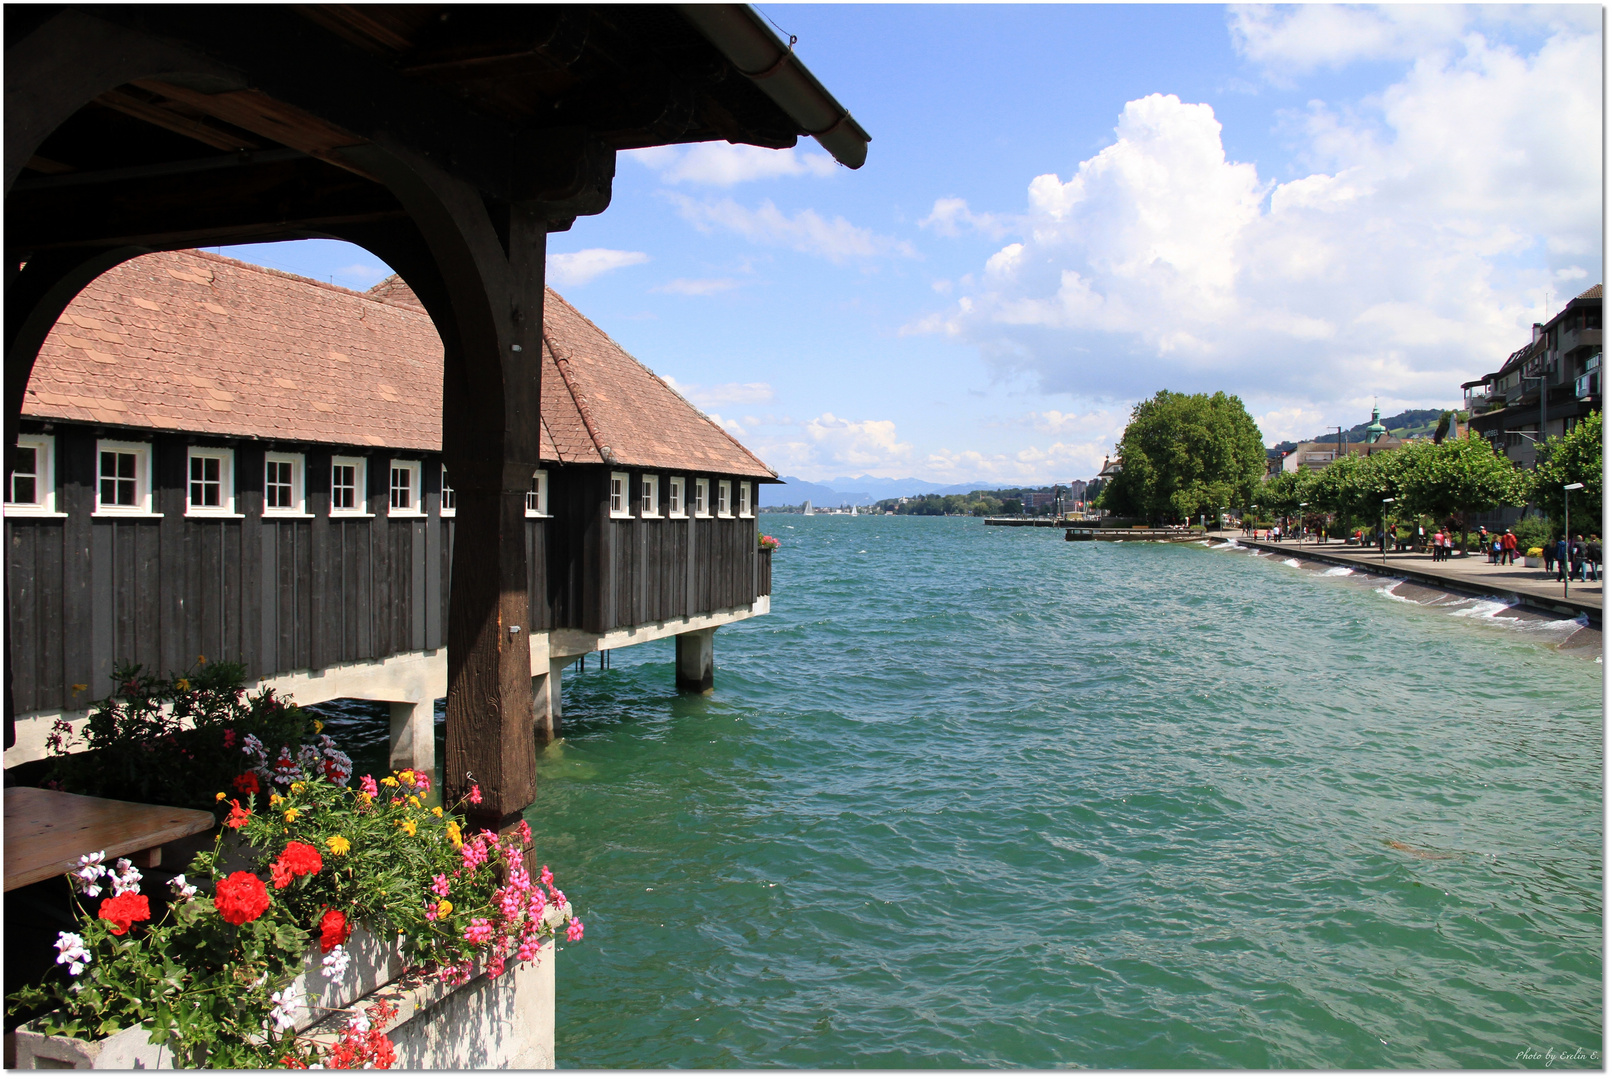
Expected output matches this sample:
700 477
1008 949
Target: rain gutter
741 36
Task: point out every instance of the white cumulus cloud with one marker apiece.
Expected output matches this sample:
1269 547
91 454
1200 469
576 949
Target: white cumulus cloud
951 216
696 286
581 267
1441 217
733 393
726 164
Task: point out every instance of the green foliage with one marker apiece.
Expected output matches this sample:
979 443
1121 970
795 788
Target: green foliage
1457 478
1535 532
1183 455
163 740
1575 458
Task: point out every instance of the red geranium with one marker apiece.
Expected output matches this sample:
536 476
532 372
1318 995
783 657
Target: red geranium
298 858
241 897
333 930
238 814
124 911
246 783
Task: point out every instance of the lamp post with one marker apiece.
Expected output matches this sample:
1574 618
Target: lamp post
1302 507
1568 545
1383 538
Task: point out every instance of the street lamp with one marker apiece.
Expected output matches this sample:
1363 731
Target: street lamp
1302 507
1383 538
1568 545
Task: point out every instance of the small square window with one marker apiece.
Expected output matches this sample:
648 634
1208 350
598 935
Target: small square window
123 475
618 495
702 504
744 498
209 482
674 500
447 495
283 484
347 487
537 495
722 499
404 489
30 484
649 496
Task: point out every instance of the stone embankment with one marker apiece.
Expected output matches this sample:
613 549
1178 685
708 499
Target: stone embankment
1472 576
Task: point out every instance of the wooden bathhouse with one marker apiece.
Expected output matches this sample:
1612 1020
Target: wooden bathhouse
224 460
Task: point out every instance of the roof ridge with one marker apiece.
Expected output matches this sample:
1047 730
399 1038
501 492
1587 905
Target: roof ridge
562 364
272 272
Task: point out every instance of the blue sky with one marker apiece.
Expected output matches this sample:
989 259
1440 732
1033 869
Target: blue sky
1067 208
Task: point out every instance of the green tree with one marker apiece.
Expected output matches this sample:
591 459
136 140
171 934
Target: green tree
1457 478
1183 455
1280 495
1575 458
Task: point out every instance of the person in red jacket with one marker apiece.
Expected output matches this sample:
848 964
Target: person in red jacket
1509 548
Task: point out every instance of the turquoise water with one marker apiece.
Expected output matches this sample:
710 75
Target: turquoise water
980 797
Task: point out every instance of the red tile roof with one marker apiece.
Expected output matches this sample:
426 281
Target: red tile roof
191 341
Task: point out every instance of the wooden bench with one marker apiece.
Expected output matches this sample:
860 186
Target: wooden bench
47 831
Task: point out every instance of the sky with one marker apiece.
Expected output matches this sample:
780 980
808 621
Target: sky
1067 208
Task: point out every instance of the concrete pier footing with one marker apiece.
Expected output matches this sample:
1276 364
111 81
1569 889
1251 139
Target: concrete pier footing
414 736
695 660
546 699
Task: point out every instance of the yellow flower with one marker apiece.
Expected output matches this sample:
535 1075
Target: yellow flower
339 845
221 796
454 837
182 685
79 688
275 799
389 781
406 778
437 810
408 826
414 800
444 909
319 725
200 659
364 797
296 789
291 815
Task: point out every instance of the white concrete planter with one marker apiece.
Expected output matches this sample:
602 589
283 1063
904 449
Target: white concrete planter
1535 561
504 1023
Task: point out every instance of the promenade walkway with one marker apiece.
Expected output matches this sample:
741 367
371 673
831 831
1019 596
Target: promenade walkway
1473 575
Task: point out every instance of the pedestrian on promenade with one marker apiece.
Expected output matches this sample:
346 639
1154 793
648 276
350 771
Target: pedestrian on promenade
1509 548
1562 557
1439 544
1593 557
1449 543
1548 554
1579 556
1484 541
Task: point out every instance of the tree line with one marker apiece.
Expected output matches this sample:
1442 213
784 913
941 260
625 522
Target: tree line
1449 482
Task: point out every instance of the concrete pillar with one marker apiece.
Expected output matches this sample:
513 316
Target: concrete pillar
695 660
414 736
546 700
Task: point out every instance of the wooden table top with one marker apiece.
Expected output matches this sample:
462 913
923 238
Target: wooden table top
47 831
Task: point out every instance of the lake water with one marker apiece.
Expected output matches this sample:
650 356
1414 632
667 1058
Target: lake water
980 797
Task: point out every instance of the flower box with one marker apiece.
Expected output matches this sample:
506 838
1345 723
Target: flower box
503 1023
1535 561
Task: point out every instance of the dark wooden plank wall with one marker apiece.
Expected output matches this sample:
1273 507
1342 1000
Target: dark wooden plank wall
281 594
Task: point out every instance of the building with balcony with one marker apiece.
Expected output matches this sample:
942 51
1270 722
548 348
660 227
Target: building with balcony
1546 387
1317 456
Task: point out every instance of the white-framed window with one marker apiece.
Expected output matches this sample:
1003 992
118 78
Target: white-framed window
702 497
618 495
209 482
403 489
537 494
649 495
349 487
674 497
31 479
123 477
724 507
447 495
283 484
744 498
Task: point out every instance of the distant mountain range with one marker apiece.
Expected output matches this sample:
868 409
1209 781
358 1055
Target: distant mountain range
857 490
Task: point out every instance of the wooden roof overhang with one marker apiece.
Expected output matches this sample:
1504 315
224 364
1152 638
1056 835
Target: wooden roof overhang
447 139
